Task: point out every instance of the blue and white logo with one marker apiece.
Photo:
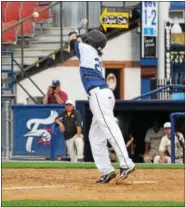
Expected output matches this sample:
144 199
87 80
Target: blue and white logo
36 129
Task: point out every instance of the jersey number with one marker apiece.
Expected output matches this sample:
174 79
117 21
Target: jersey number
98 65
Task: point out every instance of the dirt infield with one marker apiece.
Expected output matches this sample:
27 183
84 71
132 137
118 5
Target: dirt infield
79 184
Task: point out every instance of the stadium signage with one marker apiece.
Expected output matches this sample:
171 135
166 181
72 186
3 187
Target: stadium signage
117 20
150 47
149 29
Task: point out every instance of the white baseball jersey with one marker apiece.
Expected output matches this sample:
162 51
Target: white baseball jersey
101 103
165 145
154 138
90 66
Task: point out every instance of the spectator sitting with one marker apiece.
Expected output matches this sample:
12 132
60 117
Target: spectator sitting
54 94
165 147
152 141
69 123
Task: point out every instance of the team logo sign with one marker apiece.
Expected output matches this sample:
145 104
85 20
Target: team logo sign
40 128
112 81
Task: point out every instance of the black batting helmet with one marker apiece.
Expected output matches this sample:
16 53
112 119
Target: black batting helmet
95 38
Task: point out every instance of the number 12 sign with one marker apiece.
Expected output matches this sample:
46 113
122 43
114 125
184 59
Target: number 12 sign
149 18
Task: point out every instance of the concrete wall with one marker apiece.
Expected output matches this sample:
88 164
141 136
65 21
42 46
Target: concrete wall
68 76
125 47
132 82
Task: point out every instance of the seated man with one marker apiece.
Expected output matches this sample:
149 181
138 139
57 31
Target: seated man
165 147
70 124
152 141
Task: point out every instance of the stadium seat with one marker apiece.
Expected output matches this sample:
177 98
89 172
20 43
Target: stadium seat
15 3
27 11
30 3
12 12
27 29
3 10
43 16
10 35
4 4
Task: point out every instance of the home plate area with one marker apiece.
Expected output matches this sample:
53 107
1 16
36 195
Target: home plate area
79 184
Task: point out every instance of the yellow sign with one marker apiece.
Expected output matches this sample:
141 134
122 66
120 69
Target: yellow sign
117 20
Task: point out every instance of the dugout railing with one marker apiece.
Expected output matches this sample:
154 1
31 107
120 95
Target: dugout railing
173 117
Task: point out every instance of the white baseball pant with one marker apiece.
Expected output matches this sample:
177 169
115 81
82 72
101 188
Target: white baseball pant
75 147
103 128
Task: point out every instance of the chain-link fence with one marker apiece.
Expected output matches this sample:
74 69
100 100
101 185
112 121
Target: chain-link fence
6 128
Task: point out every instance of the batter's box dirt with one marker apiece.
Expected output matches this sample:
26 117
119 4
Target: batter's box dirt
79 184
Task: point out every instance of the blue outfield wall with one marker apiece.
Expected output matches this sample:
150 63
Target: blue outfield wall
32 130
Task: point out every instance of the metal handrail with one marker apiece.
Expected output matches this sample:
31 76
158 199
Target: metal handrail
29 17
159 90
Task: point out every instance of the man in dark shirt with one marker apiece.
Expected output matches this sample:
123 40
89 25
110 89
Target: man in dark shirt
70 124
54 94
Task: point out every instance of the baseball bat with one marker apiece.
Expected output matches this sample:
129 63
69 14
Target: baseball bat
80 26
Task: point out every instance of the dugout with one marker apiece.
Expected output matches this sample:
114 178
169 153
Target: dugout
140 113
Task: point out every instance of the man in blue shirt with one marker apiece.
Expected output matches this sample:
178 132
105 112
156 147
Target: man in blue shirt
101 101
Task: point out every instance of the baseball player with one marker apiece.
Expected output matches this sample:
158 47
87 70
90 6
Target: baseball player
152 141
87 48
165 147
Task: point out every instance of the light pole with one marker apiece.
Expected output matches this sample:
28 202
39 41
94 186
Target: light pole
163 16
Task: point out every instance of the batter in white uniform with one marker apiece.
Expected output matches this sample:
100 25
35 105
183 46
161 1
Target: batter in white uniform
101 101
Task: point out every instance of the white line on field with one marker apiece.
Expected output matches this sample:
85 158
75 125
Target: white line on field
35 187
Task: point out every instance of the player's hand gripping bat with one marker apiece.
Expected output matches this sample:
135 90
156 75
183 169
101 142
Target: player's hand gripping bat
80 26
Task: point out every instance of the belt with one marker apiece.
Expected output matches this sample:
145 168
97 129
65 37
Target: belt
96 87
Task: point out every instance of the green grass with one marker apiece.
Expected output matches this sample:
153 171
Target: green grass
60 165
91 203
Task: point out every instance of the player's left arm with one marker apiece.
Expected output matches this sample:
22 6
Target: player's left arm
74 43
74 37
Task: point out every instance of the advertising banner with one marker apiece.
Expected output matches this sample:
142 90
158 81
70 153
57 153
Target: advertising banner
118 20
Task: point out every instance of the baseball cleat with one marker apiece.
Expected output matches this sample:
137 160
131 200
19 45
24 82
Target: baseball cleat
124 172
106 178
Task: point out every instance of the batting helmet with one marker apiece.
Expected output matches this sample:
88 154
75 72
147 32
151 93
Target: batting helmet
95 38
